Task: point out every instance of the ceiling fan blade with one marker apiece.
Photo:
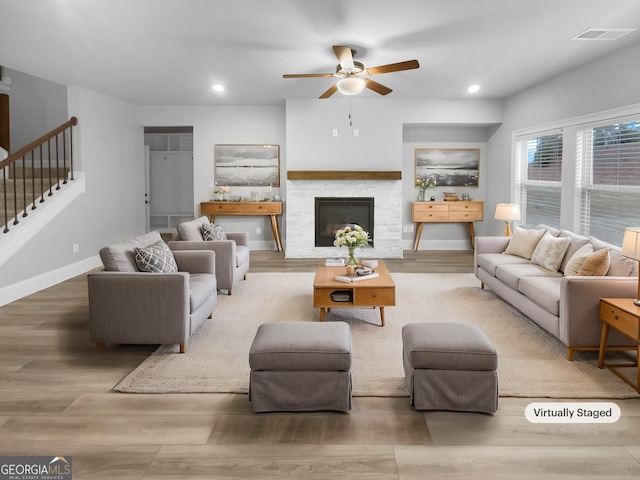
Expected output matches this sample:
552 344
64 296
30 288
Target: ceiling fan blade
394 67
332 89
345 57
377 87
307 75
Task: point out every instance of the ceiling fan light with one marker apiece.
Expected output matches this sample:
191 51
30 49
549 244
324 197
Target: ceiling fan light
351 85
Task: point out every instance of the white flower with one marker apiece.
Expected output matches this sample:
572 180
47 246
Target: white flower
351 236
426 183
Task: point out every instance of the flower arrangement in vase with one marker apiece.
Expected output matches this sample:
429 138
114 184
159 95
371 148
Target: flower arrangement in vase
424 184
352 237
219 191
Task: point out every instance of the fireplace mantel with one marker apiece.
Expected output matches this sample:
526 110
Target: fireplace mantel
343 175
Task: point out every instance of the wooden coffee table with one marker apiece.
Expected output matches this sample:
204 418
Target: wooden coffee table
375 292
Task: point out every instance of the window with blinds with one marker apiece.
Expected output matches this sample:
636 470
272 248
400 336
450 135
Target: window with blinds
608 157
539 177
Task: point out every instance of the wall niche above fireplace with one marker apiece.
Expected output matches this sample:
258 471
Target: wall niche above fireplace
333 213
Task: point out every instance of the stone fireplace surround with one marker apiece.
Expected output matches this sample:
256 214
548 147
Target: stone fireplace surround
300 216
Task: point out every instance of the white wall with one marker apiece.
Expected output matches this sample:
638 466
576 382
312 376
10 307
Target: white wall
602 85
110 153
37 106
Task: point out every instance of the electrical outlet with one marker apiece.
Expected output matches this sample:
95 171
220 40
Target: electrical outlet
407 228
258 231
76 248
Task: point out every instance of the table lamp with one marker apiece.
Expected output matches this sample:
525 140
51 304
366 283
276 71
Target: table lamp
507 212
631 249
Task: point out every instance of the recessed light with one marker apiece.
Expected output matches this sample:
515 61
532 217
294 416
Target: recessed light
218 87
473 88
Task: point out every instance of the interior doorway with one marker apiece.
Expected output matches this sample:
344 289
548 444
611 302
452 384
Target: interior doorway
169 177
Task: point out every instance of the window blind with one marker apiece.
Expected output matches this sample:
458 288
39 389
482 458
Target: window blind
609 159
539 177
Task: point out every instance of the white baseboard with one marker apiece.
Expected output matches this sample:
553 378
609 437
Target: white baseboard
26 287
262 245
426 244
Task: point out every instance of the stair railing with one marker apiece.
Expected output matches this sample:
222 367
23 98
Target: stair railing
33 172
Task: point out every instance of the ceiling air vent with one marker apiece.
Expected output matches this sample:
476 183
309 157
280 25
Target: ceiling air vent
603 33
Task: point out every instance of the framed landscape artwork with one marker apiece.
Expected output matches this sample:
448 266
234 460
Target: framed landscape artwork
450 167
247 165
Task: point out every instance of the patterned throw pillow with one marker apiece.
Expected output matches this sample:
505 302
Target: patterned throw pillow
212 232
156 258
550 251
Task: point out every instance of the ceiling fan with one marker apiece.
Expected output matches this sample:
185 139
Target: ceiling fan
353 75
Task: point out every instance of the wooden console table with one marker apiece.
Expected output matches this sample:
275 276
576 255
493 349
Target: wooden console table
272 209
464 211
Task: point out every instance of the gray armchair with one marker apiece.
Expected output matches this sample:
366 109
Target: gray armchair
232 254
134 307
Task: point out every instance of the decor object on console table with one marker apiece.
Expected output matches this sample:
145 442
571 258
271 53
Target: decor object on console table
424 184
631 249
507 212
352 237
219 191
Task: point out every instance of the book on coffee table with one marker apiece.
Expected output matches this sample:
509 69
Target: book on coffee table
356 278
334 262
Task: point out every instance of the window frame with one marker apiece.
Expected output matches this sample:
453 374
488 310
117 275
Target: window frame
572 170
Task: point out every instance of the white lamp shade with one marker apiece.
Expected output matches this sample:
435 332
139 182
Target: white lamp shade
631 243
507 211
351 85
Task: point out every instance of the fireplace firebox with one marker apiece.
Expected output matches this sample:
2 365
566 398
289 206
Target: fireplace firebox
333 213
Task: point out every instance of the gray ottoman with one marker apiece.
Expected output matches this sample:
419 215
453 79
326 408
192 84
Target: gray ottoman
450 366
301 366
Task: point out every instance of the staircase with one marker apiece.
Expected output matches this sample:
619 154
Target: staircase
29 183
36 184
34 174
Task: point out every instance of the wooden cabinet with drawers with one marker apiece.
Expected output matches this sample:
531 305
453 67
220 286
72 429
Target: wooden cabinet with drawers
466 211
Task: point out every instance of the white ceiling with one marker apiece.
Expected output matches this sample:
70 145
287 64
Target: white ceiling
170 52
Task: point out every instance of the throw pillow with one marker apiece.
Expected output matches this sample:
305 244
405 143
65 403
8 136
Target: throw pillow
577 259
596 264
524 242
550 251
212 232
156 258
619 265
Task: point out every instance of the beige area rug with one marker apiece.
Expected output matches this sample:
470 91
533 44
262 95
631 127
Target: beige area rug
531 363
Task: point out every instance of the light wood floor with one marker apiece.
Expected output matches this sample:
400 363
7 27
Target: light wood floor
55 399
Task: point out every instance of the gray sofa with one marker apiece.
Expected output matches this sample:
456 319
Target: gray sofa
129 306
566 305
232 254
